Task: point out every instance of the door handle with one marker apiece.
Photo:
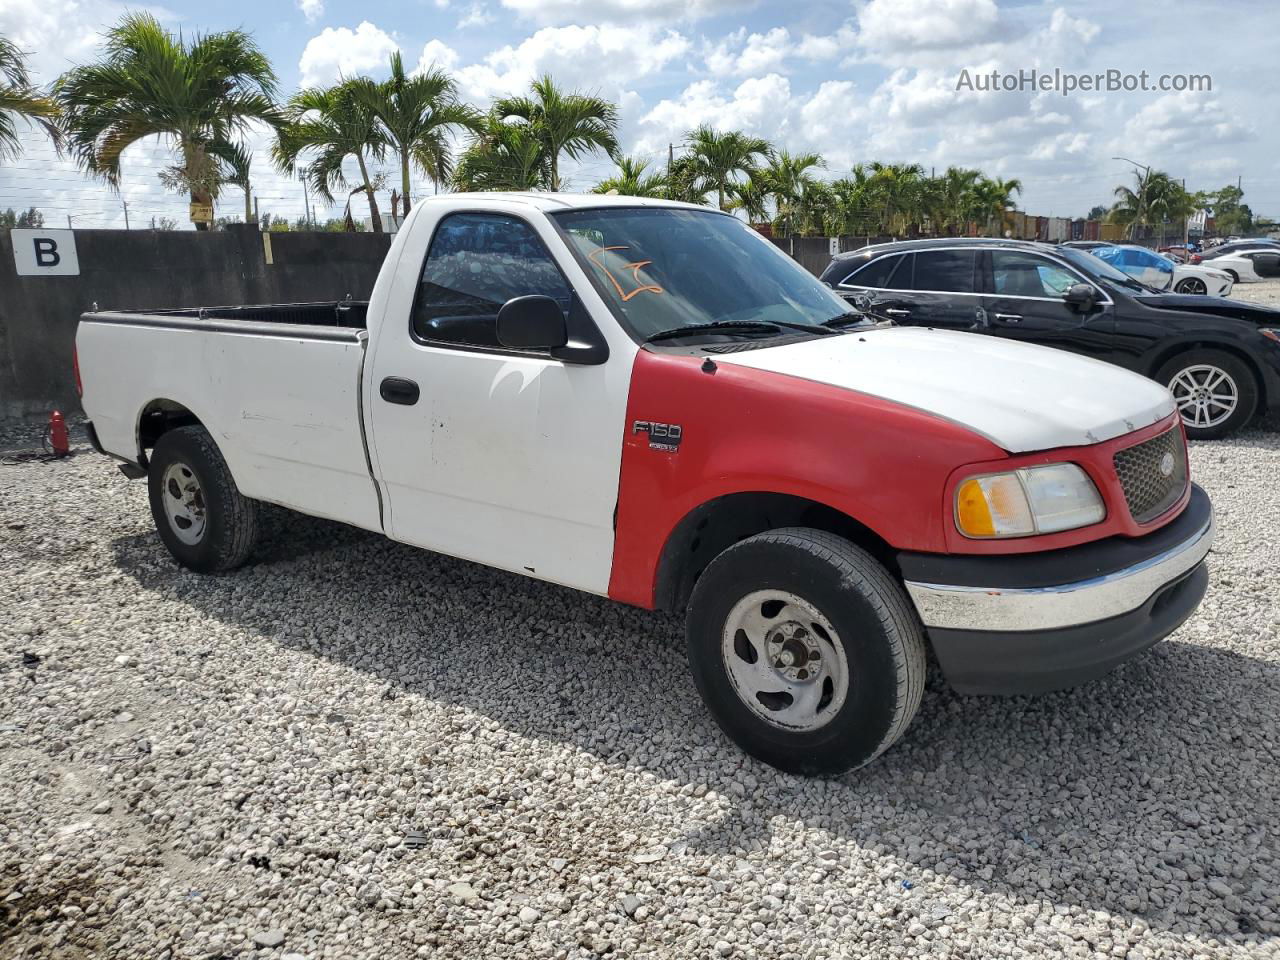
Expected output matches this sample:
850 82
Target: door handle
399 390
1009 317
897 312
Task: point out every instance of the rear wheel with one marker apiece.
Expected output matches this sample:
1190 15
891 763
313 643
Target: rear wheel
1215 391
199 512
1192 285
1235 277
806 650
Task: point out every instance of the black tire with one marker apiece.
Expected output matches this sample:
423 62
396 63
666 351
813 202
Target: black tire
230 520
1192 285
1235 277
1241 375
875 625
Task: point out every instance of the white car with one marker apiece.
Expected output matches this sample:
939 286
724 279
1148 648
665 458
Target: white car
1249 266
1161 273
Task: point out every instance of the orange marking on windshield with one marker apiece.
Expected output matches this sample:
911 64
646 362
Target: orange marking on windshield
635 267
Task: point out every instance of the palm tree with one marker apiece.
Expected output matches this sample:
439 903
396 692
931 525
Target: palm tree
333 124
151 83
502 156
752 196
633 181
788 180
236 161
717 157
18 98
684 183
573 124
896 187
991 200
1157 199
417 114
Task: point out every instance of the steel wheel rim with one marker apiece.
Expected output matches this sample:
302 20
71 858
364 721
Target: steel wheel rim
1193 286
183 502
1206 395
784 660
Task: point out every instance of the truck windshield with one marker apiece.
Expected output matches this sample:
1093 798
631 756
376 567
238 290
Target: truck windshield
664 268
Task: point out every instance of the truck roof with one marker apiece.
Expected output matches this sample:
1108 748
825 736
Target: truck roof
551 202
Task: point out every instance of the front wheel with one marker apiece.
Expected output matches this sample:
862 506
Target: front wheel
806 651
1215 391
1192 285
200 514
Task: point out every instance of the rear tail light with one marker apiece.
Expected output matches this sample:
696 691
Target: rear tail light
75 367
1196 258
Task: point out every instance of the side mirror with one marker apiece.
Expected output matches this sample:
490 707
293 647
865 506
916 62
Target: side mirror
532 323
1081 297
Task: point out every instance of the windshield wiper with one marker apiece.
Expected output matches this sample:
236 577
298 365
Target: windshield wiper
746 326
853 316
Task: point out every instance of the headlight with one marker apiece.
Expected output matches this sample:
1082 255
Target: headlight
1057 496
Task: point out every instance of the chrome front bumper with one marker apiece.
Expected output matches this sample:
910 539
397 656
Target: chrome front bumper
1023 609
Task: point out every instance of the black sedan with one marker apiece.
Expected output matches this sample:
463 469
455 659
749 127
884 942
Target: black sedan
1219 357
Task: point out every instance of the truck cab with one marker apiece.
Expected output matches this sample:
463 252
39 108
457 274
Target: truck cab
649 401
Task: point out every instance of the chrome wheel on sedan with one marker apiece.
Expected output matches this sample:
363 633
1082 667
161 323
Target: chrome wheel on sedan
1192 285
1206 395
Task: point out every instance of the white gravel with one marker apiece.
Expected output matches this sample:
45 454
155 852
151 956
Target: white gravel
355 749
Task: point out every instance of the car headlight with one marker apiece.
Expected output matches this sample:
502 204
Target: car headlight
1021 503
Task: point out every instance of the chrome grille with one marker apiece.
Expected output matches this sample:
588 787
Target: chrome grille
1147 489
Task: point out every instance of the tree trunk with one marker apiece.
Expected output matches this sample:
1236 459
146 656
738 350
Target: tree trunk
555 173
404 179
248 202
202 196
374 218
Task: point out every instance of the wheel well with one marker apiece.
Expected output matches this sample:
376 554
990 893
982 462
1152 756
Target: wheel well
1239 354
157 418
712 528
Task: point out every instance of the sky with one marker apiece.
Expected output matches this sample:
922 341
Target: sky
853 80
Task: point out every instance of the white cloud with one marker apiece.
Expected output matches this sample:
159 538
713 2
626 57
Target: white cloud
758 105
58 34
575 56
437 54
888 27
656 12
1181 122
313 10
342 52
477 15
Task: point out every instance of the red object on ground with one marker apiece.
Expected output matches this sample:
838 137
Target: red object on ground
58 435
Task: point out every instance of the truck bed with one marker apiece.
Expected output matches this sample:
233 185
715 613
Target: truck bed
277 385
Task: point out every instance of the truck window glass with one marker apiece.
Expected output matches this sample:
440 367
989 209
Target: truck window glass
947 270
476 263
661 268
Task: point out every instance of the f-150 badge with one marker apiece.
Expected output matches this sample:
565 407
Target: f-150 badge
662 436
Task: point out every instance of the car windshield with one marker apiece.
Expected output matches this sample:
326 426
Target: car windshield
1101 271
665 268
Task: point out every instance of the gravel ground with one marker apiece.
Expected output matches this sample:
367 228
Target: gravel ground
352 748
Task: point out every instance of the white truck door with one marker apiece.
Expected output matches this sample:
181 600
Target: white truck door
506 457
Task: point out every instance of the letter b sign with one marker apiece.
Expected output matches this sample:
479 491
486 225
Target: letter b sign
45 253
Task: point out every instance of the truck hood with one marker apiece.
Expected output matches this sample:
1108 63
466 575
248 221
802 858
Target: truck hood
1021 397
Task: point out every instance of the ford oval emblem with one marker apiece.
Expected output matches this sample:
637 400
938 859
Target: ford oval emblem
1166 465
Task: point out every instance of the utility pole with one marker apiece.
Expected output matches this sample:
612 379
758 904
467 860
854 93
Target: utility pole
306 202
68 221
1186 223
125 204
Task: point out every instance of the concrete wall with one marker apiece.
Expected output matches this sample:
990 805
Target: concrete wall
142 269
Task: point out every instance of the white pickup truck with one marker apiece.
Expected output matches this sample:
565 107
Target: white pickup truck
648 401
